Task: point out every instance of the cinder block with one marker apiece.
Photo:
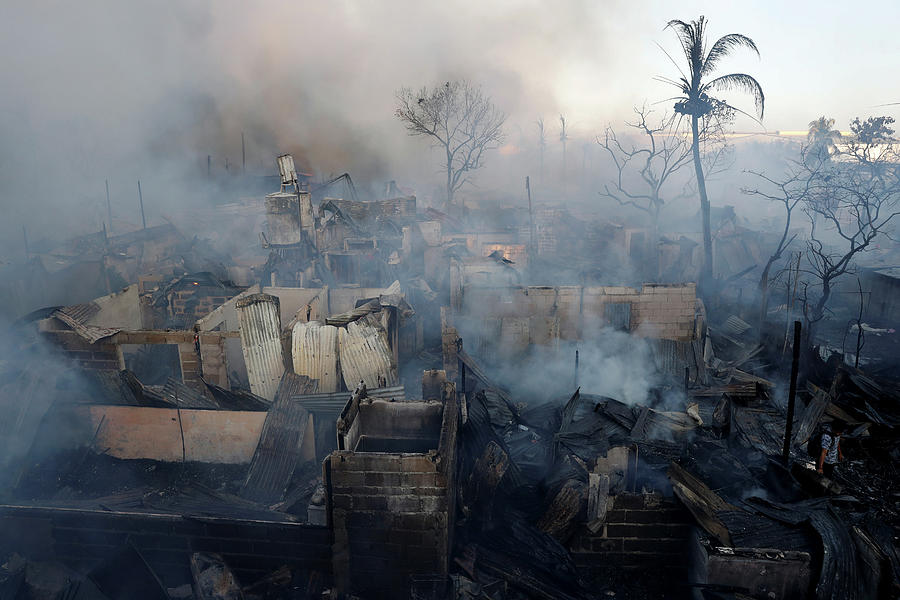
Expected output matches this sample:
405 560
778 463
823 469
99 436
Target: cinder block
401 504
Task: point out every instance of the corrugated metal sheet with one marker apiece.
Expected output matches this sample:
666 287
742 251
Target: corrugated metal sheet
260 329
314 348
618 315
77 315
360 311
365 354
280 441
329 406
735 326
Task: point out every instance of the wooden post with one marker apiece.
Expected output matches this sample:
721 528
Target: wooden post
576 368
792 395
141 199
243 155
108 208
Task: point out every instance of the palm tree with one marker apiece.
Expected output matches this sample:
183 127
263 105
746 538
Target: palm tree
699 105
821 139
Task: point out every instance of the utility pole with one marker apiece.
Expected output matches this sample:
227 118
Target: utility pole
141 198
792 396
108 207
243 155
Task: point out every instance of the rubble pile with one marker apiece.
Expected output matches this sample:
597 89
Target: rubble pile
192 424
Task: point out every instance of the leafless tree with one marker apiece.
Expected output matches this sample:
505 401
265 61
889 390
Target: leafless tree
542 143
644 170
858 323
854 201
461 119
789 192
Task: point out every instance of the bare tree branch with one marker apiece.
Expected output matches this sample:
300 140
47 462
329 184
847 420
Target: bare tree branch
460 119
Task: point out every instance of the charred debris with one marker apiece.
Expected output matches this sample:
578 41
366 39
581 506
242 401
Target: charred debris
382 401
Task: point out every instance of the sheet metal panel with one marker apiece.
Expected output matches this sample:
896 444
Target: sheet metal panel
366 355
260 330
314 350
280 443
331 405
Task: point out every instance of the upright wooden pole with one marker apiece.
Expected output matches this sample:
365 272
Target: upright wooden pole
792 395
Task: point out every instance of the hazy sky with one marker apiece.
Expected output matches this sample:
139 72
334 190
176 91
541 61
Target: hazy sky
122 90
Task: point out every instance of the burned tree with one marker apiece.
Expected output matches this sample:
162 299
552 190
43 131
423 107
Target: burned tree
697 104
853 202
644 169
563 138
460 119
789 192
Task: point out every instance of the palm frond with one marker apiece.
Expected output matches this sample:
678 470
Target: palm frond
723 47
669 56
736 109
741 82
687 36
661 79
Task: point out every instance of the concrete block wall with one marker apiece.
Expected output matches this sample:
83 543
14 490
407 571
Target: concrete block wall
392 513
667 311
83 538
101 356
188 305
641 532
187 350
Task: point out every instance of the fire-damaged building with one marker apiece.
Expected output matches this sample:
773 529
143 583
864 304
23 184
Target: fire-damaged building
395 403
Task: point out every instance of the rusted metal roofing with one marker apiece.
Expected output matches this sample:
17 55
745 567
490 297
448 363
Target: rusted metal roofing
365 354
280 441
314 348
260 329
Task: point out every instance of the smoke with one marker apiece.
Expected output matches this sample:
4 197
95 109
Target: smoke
127 92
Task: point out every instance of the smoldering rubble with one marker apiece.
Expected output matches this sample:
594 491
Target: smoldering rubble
370 398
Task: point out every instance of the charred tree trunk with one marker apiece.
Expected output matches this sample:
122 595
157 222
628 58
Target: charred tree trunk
707 271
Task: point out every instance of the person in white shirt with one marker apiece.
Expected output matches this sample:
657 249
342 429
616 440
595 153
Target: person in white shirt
831 449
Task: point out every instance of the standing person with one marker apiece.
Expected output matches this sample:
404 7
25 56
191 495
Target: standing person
831 453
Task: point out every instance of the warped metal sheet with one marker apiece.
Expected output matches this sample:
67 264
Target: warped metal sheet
330 405
365 354
362 310
75 320
260 329
280 442
314 348
759 429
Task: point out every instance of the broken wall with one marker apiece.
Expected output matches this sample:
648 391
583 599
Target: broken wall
392 513
174 435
